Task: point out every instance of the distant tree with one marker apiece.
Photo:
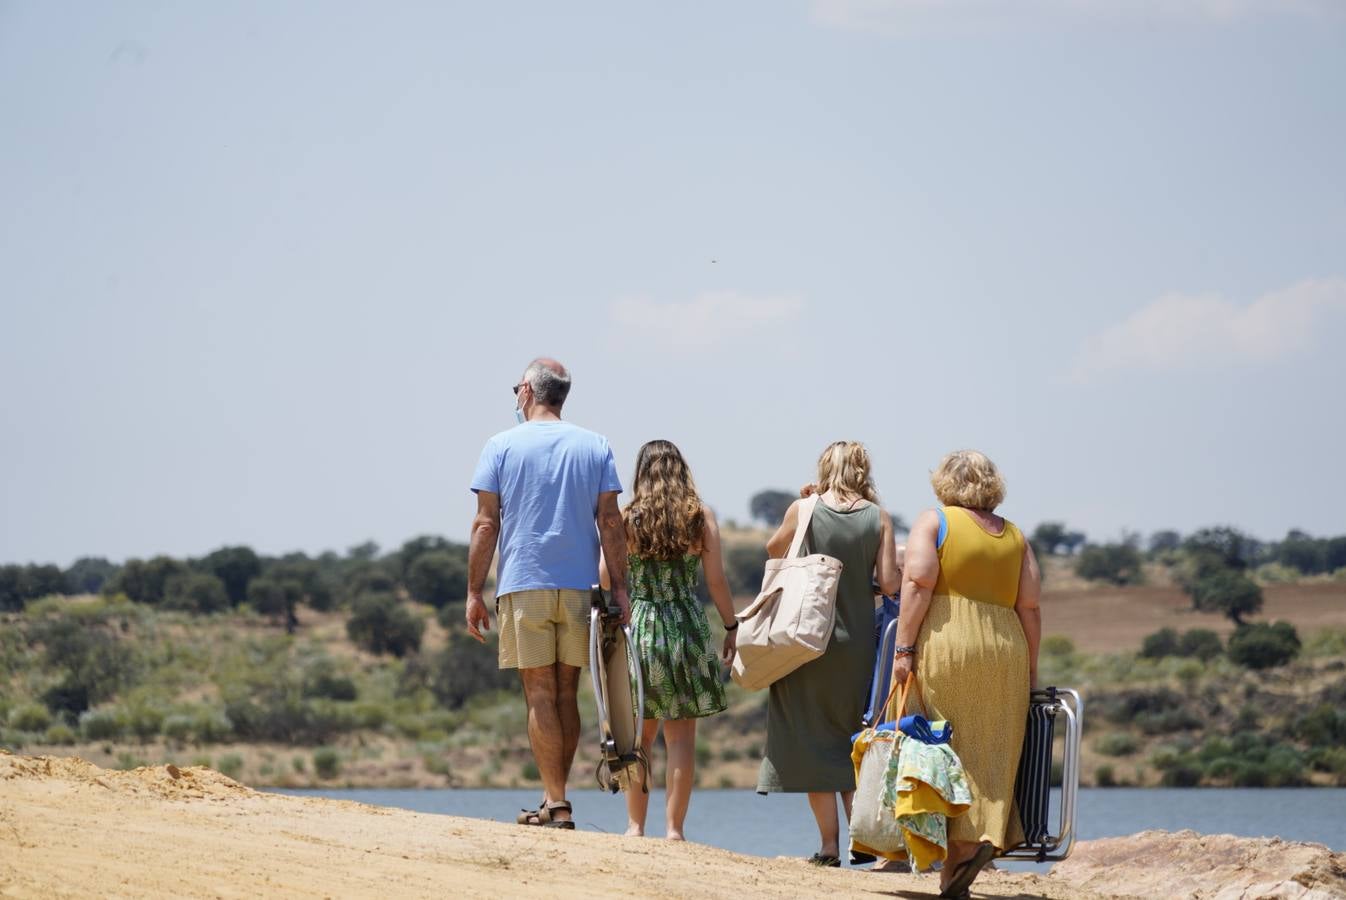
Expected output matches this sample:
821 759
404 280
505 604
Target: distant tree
12 594
363 552
769 506
43 580
235 567
93 664
1075 540
196 592
1336 553
743 566
464 669
88 574
276 598
1049 538
1164 542
1263 646
1230 547
1302 552
370 578
380 624
438 577
314 585
1118 564
401 561
900 525
1229 592
144 580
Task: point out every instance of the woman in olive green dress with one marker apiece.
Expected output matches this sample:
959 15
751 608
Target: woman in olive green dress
813 711
669 534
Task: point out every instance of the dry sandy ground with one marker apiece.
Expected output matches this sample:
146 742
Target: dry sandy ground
70 829
1103 620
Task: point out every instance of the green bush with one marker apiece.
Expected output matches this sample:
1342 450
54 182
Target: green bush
380 624
1200 643
299 764
1263 646
438 577
195 592
1229 592
1181 775
1329 759
1322 727
1117 743
530 771
1057 645
30 717
326 763
60 733
461 670
1104 776
1160 644
230 765
744 563
102 724
145 581
94 662
1326 642
1118 564
234 567
178 727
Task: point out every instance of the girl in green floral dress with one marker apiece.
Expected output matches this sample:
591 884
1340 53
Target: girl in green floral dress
669 533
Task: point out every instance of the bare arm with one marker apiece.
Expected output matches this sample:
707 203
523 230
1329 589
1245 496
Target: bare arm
918 586
780 541
1028 609
480 552
886 565
612 533
712 563
605 580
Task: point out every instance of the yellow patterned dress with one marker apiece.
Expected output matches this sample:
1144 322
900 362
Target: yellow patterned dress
972 669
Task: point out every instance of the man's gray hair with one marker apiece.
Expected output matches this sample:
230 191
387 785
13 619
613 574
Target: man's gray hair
549 380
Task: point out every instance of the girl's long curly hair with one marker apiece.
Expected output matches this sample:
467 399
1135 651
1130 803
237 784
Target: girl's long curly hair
664 516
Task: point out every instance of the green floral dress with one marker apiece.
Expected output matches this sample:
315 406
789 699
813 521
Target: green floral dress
682 671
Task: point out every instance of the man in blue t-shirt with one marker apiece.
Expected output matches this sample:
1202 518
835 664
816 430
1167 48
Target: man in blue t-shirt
547 491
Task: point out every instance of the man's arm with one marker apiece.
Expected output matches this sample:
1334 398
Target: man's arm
480 552
612 532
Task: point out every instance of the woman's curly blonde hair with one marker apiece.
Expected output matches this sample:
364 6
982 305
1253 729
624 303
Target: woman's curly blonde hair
664 516
844 469
969 479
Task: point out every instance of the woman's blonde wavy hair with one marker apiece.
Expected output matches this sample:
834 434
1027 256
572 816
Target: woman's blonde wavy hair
845 470
664 516
969 479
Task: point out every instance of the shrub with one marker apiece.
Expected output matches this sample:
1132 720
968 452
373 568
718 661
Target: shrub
88 574
463 669
326 763
178 727
1118 564
230 765
234 567
438 577
744 563
1201 643
97 665
1104 776
1181 775
1117 743
1168 721
299 764
102 724
1276 573
1263 646
195 592
30 717
60 733
380 624
212 726
1322 727
530 771
1326 642
1161 643
144 581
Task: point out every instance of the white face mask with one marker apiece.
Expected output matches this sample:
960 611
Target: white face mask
518 415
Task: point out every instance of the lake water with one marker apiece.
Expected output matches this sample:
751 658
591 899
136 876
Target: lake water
780 824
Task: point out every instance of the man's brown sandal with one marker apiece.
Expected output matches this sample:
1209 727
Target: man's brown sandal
531 816
545 819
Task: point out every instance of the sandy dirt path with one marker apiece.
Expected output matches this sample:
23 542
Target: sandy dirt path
70 829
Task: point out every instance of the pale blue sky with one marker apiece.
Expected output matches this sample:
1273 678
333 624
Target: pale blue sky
268 270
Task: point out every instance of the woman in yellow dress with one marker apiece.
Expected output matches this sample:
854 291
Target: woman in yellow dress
969 627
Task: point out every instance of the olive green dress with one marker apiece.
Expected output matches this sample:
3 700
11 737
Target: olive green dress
813 711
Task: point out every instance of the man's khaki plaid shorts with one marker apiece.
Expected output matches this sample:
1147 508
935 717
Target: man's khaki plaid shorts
539 628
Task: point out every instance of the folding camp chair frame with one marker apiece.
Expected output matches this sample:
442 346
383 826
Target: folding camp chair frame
612 758
1053 702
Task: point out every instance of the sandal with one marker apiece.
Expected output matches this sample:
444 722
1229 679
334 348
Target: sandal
966 872
861 858
824 862
531 816
544 816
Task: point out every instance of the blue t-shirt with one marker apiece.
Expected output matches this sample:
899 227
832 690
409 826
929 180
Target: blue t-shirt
548 476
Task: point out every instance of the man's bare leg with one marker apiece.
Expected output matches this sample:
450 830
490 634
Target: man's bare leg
568 712
541 693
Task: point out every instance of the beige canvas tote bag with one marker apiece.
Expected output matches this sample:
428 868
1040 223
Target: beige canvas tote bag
791 620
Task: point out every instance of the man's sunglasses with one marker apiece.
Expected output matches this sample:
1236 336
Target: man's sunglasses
516 388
